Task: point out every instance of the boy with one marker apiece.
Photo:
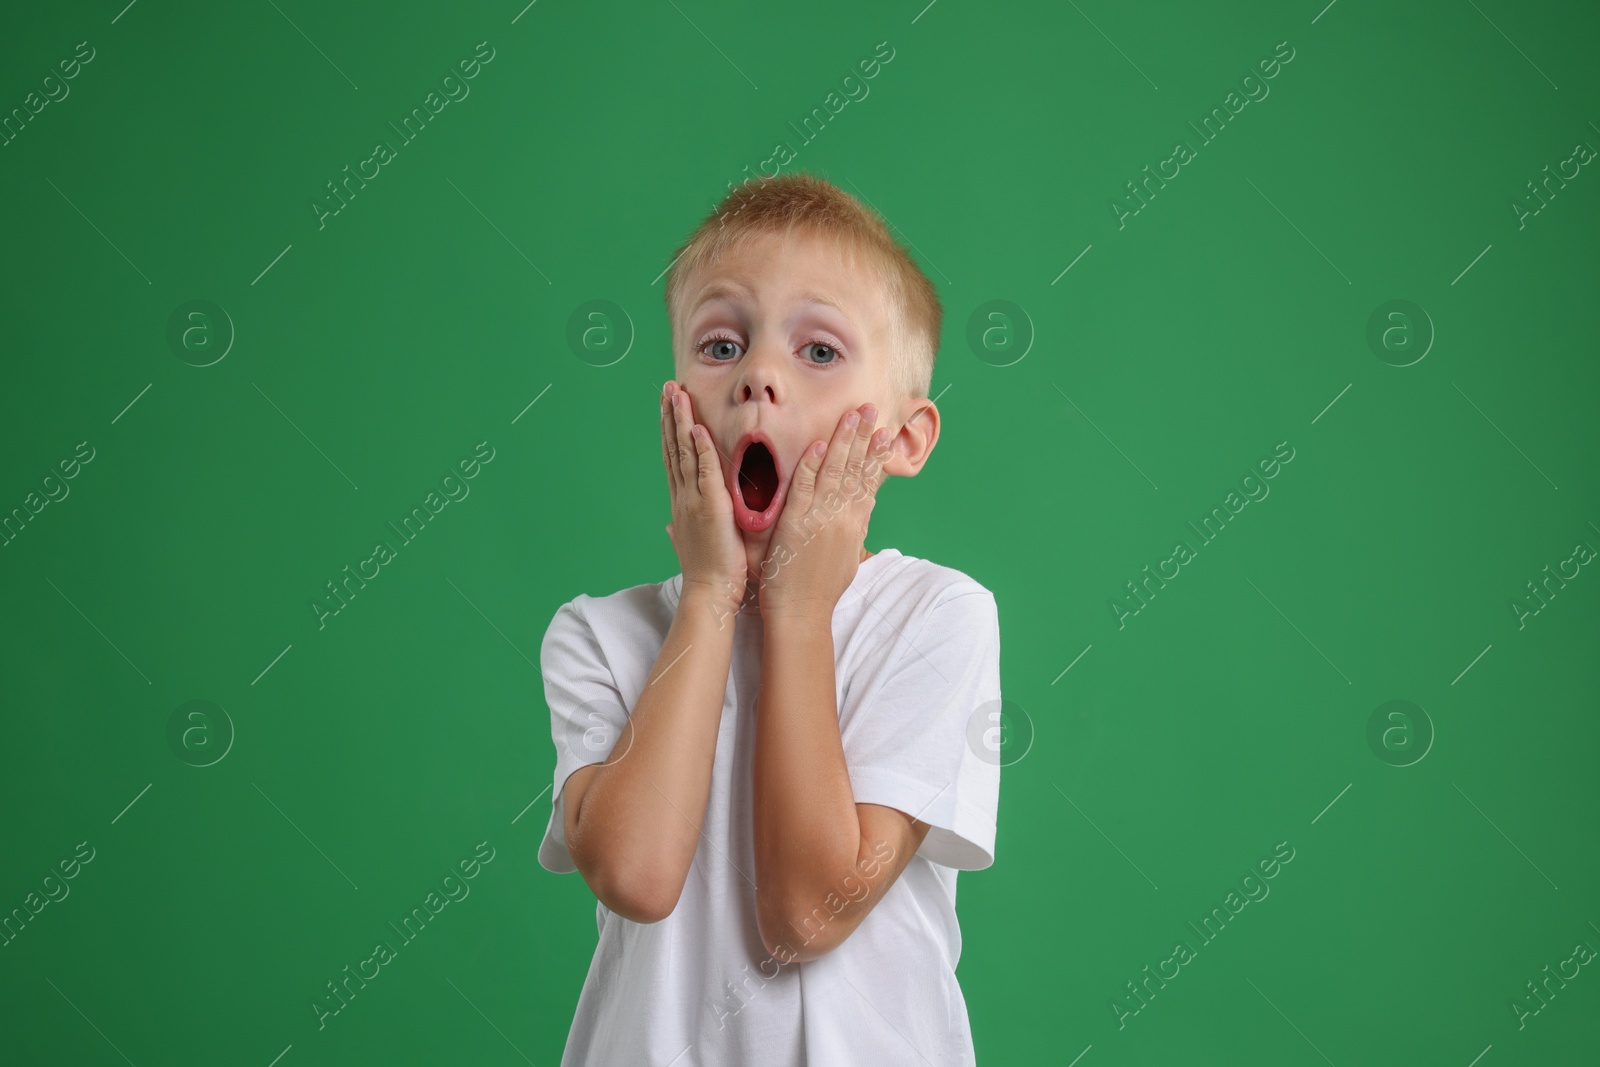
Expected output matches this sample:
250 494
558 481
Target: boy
770 767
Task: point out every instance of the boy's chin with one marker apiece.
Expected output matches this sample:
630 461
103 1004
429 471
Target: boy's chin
756 547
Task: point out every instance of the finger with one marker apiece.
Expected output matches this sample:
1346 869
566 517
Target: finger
877 457
878 445
711 454
838 449
669 445
803 486
854 476
708 469
661 413
688 454
871 474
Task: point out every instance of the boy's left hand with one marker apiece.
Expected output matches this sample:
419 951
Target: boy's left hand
816 545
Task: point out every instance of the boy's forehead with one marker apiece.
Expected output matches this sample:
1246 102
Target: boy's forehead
803 268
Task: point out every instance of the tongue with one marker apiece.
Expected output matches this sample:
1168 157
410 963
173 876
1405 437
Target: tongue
758 478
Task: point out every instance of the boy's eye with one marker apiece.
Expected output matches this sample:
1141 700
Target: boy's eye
725 349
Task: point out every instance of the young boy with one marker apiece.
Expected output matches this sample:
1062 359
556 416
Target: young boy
770 767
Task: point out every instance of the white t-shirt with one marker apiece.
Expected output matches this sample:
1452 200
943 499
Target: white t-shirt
917 671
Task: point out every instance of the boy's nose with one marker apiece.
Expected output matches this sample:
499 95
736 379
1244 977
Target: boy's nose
760 374
755 389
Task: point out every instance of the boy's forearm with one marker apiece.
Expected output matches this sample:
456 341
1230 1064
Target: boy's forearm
640 820
806 827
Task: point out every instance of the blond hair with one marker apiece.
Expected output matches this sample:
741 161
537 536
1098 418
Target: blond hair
780 205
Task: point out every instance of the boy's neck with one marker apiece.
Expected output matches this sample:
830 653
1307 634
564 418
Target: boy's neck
750 600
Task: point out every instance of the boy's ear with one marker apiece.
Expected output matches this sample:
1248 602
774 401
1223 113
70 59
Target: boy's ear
914 443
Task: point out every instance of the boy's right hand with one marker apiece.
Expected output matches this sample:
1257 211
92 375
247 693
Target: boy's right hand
710 550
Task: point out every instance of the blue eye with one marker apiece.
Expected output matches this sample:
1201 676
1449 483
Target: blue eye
719 341
710 347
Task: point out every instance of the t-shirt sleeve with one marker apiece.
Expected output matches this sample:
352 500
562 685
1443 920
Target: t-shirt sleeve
587 715
921 742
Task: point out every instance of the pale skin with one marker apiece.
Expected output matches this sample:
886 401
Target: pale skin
749 358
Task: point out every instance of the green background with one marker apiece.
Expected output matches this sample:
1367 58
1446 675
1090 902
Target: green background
367 756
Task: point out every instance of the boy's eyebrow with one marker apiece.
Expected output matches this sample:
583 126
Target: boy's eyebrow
730 290
819 298
720 291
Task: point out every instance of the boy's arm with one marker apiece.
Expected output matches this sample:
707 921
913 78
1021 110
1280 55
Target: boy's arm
815 847
633 822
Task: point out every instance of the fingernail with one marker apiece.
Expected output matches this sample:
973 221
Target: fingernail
851 420
871 413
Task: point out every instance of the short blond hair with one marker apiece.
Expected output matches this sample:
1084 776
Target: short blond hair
782 204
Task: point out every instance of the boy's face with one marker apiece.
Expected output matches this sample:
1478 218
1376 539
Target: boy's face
762 356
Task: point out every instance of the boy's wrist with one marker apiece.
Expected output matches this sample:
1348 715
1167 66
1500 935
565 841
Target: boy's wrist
718 604
797 617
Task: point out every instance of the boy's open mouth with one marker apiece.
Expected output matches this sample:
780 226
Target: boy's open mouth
758 484
758 477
